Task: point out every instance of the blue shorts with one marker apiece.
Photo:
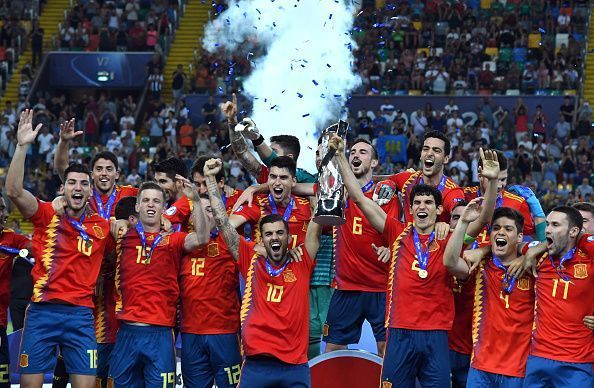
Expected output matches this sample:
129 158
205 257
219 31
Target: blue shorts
143 356
208 358
543 372
4 359
267 372
49 325
479 378
348 310
103 354
459 365
416 354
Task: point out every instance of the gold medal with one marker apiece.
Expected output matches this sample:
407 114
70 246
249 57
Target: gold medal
423 273
23 253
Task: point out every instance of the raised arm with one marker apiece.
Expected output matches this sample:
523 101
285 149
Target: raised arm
201 234
451 256
67 133
211 168
312 238
490 170
24 200
238 142
373 212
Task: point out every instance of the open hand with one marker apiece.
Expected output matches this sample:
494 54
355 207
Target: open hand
472 211
490 169
67 132
25 133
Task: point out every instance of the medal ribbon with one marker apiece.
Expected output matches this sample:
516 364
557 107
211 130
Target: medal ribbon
104 212
9 249
422 256
441 184
275 272
288 210
79 227
565 257
156 241
509 282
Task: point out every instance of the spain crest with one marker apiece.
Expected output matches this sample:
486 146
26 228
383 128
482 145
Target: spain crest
524 284
24 360
213 250
98 232
289 276
580 271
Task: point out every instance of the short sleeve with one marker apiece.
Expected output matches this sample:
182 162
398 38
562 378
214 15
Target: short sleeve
179 212
176 241
400 178
586 244
246 252
43 215
454 197
263 177
251 214
528 220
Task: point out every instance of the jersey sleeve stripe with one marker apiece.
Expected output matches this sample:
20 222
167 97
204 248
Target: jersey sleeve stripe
47 258
246 302
395 252
118 306
100 319
479 295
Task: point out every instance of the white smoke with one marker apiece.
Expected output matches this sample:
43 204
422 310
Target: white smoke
303 80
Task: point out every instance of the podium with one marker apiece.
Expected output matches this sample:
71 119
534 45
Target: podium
346 369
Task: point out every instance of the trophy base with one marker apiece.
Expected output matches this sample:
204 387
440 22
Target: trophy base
330 212
329 220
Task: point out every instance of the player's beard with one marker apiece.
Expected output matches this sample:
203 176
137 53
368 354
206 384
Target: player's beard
363 171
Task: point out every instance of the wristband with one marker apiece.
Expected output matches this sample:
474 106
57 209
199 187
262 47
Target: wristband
540 229
258 141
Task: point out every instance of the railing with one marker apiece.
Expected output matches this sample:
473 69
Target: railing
584 54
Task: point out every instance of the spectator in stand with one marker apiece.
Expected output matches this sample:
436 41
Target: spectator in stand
539 123
155 81
186 135
114 142
178 81
521 118
210 111
562 129
584 119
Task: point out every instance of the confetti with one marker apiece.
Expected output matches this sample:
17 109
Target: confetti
257 10
299 95
305 115
272 107
327 64
314 82
330 17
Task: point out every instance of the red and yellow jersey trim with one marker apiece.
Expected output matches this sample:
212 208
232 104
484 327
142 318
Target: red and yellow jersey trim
47 258
395 252
118 305
477 315
246 302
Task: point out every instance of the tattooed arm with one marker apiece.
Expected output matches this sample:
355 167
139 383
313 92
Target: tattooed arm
211 168
238 142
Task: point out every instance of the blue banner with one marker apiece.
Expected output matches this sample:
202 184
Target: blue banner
98 69
392 146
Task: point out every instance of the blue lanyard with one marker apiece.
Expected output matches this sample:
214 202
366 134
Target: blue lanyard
105 213
365 188
275 272
566 257
79 227
288 210
422 256
9 249
156 241
441 184
509 282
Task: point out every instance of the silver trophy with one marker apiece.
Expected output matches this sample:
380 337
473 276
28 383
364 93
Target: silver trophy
330 210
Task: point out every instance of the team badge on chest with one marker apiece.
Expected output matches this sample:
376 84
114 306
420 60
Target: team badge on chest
213 250
580 271
289 276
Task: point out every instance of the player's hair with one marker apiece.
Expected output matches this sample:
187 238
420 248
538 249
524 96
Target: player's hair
77 167
171 167
149 186
107 156
374 155
512 214
289 144
125 208
272 218
198 167
285 162
441 136
585 207
574 217
500 157
425 190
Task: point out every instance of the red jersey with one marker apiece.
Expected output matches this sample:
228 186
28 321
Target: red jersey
411 299
460 337
502 323
148 292
209 285
298 220
356 265
506 199
121 192
559 332
67 268
275 309
180 213
263 177
451 193
8 239
106 322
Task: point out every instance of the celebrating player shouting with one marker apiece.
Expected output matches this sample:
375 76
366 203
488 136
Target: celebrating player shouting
419 284
69 250
275 306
